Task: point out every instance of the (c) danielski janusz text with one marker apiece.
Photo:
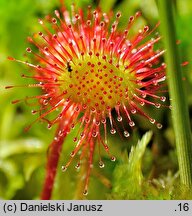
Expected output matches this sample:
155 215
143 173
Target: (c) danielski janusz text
59 207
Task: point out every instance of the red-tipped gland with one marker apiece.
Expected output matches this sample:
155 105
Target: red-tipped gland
28 49
10 58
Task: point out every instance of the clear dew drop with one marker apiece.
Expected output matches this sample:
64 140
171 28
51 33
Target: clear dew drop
49 126
77 166
133 51
72 154
163 98
84 106
142 103
152 120
93 109
164 65
97 123
131 123
94 134
87 120
101 164
63 168
119 118
28 49
77 109
126 133
85 192
159 125
155 82
106 147
60 133
75 139
82 134
113 158
33 112
60 115
157 105
143 95
103 121
113 131
56 138
133 111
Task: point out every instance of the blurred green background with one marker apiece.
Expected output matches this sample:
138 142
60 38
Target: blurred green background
23 154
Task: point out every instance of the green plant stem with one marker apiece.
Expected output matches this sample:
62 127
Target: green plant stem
180 114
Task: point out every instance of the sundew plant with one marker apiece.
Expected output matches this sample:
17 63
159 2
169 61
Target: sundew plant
94 104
